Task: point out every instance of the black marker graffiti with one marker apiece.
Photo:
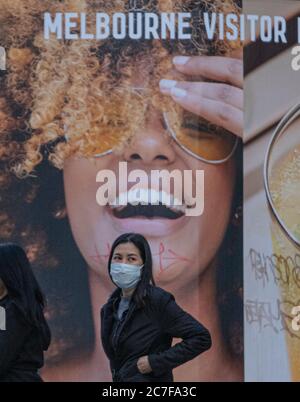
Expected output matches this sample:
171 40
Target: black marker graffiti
276 316
280 269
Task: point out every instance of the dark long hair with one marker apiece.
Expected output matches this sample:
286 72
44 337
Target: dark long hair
230 269
23 288
146 273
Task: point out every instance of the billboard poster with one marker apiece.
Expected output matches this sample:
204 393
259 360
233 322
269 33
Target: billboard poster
86 106
271 203
175 120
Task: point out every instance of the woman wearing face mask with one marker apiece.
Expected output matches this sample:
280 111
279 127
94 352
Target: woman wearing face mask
139 320
26 334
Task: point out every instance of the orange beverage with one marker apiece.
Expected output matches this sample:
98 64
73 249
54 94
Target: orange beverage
282 180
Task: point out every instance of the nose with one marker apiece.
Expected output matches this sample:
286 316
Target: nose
152 145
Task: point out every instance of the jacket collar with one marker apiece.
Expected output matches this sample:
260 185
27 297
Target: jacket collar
114 297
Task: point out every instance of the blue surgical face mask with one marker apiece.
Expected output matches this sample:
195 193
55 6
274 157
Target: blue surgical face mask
125 276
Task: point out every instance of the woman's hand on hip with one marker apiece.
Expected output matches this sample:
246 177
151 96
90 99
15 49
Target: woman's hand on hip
144 365
220 102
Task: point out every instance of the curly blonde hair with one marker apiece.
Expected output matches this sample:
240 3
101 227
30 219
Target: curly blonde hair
82 90
60 98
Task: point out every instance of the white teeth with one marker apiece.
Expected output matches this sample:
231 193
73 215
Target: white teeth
145 197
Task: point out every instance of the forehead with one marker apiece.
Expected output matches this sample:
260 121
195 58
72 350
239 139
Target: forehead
126 248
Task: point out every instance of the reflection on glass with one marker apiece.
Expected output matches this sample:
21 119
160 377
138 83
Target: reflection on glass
282 184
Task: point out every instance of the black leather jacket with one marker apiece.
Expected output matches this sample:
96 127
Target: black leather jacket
150 331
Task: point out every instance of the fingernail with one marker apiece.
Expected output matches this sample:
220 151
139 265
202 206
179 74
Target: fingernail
180 60
178 93
167 84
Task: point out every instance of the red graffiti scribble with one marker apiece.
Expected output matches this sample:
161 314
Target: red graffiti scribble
100 258
179 257
161 250
97 257
163 256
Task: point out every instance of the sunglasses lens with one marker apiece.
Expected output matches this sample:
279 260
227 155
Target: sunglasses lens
204 140
283 180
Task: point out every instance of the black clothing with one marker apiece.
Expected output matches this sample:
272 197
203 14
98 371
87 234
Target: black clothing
116 326
21 347
149 331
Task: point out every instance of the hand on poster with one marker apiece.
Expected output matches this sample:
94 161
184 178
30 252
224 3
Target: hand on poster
219 102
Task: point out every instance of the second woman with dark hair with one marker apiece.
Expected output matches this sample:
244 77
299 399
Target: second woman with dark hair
26 335
140 320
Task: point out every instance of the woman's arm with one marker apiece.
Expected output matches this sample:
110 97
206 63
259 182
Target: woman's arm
12 339
178 323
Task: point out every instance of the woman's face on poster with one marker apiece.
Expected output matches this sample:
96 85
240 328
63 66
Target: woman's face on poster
182 248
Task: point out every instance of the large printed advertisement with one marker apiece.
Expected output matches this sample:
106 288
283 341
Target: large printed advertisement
176 120
272 203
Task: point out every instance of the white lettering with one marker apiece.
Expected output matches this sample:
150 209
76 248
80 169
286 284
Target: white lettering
53 26
183 24
296 59
173 189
